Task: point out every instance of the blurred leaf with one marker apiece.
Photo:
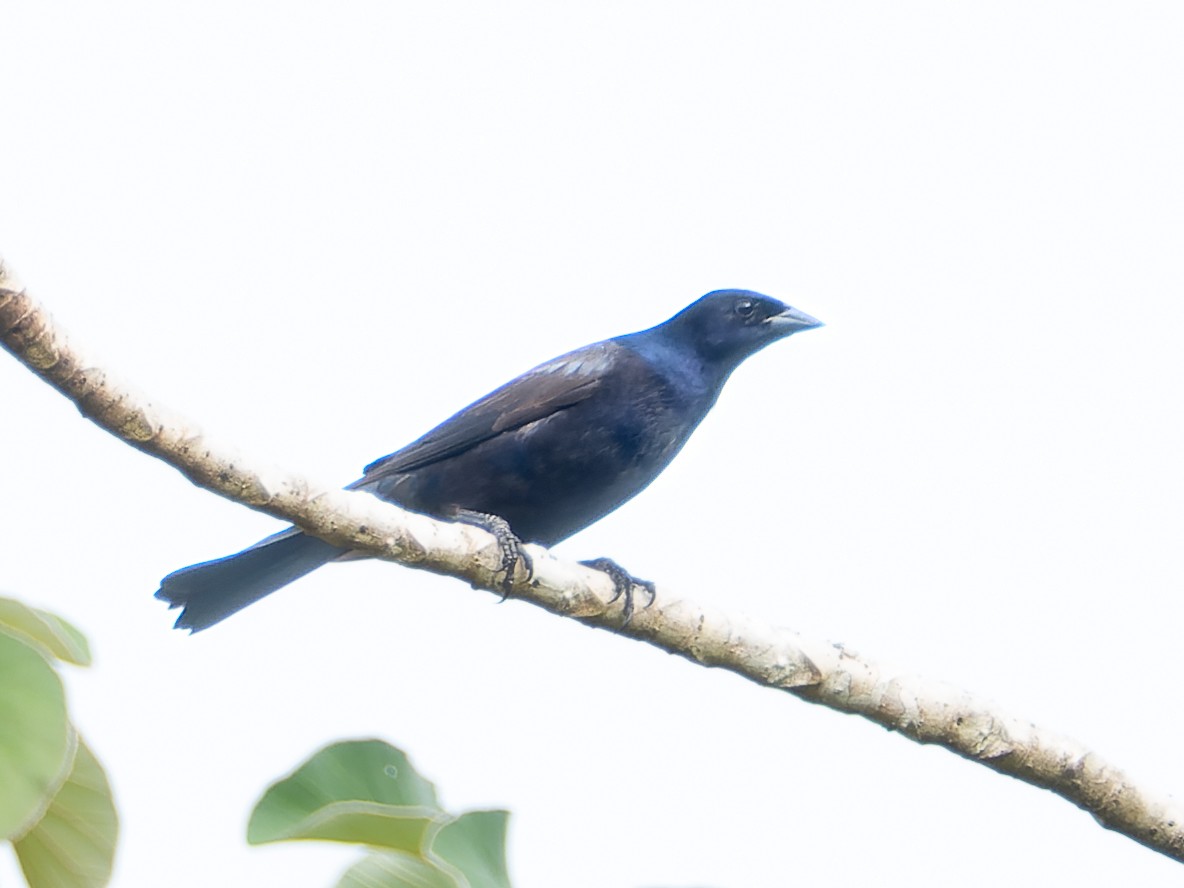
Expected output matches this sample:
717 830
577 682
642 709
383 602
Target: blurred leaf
384 869
51 632
469 852
73 845
357 791
36 741
364 823
475 844
366 792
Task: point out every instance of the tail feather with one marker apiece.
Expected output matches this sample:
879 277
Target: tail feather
211 591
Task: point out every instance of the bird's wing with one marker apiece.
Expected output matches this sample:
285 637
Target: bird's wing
537 394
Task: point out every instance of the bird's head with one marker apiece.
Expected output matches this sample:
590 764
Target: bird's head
726 326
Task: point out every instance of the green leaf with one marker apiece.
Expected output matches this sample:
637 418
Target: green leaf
364 823
50 632
73 845
475 845
357 791
468 852
386 869
366 792
36 740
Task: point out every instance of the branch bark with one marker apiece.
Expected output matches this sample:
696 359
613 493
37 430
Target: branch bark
922 710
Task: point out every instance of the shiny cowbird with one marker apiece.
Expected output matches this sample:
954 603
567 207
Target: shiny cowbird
540 458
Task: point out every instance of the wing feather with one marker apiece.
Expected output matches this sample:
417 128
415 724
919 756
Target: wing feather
537 394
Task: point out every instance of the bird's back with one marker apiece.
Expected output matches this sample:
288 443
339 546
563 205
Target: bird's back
559 447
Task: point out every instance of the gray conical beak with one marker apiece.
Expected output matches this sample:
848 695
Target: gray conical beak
793 321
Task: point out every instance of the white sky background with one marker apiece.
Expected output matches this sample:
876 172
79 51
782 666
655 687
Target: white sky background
320 229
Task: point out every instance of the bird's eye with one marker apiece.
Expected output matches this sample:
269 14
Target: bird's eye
745 308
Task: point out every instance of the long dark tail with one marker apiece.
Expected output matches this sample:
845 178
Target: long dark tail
213 590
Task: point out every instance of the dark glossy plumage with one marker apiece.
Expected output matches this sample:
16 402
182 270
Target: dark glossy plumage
550 452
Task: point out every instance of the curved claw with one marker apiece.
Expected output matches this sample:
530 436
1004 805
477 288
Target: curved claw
509 544
512 553
623 583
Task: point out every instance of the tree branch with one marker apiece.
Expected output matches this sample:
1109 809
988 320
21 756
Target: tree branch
924 711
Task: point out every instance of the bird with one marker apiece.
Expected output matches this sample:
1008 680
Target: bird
544 456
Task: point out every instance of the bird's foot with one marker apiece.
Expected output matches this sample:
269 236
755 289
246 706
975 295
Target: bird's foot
511 547
623 583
